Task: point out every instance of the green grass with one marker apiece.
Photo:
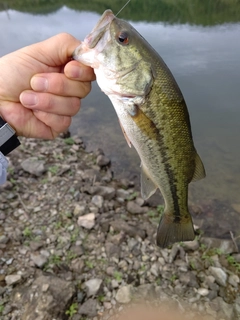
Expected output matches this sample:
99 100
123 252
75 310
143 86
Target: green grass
27 232
70 256
72 309
1 308
55 259
53 169
69 141
89 264
101 298
173 278
118 276
132 196
232 262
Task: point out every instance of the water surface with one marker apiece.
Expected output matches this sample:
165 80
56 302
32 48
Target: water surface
205 63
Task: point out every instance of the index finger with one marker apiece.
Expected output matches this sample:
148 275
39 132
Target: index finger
78 71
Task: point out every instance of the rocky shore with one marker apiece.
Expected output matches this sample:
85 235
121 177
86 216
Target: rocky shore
75 243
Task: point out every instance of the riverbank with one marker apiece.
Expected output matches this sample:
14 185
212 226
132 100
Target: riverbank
76 243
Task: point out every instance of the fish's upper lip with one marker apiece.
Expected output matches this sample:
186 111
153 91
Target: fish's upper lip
105 19
94 36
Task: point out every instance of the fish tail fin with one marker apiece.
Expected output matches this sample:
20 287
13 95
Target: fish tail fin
170 231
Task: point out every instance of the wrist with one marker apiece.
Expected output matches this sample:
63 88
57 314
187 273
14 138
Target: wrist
8 138
8 142
3 168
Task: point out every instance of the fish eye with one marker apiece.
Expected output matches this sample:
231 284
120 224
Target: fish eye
122 38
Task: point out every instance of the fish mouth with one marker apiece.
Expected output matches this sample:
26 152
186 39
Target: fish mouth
92 39
99 32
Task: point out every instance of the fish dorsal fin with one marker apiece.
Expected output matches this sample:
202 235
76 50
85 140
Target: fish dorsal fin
148 187
125 135
199 172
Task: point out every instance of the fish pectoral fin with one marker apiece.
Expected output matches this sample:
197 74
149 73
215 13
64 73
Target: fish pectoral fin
132 109
199 172
148 187
125 135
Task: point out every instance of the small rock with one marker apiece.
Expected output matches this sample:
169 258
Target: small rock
140 201
203 292
87 221
134 208
39 259
145 290
212 294
4 239
226 310
118 238
112 250
34 166
145 258
132 243
124 294
237 308
120 225
236 207
98 201
49 305
2 216
107 305
110 270
219 275
108 193
7 309
79 209
45 287
9 261
77 250
179 289
77 265
93 286
35 245
12 279
121 193
88 308
191 245
174 252
155 269
225 246
115 284
102 160
189 279
233 279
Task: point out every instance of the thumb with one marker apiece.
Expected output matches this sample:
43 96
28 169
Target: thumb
55 51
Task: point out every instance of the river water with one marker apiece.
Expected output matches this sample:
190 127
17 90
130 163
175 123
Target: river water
206 64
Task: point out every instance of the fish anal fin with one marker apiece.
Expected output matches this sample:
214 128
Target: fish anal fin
125 135
148 187
199 172
170 232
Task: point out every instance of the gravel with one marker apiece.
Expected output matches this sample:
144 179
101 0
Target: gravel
76 243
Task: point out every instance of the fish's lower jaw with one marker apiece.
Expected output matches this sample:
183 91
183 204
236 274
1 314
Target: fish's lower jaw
170 232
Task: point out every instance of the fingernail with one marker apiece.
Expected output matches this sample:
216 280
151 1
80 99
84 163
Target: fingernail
75 72
39 84
28 99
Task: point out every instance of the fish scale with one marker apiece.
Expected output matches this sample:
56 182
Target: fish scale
153 115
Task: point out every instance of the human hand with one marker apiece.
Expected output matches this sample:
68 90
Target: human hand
36 98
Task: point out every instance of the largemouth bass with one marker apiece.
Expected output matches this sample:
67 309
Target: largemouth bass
153 116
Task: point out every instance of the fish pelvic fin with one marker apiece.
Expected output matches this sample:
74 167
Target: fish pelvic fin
170 232
199 172
148 187
125 135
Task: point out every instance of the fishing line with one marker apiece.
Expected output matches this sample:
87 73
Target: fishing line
122 8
